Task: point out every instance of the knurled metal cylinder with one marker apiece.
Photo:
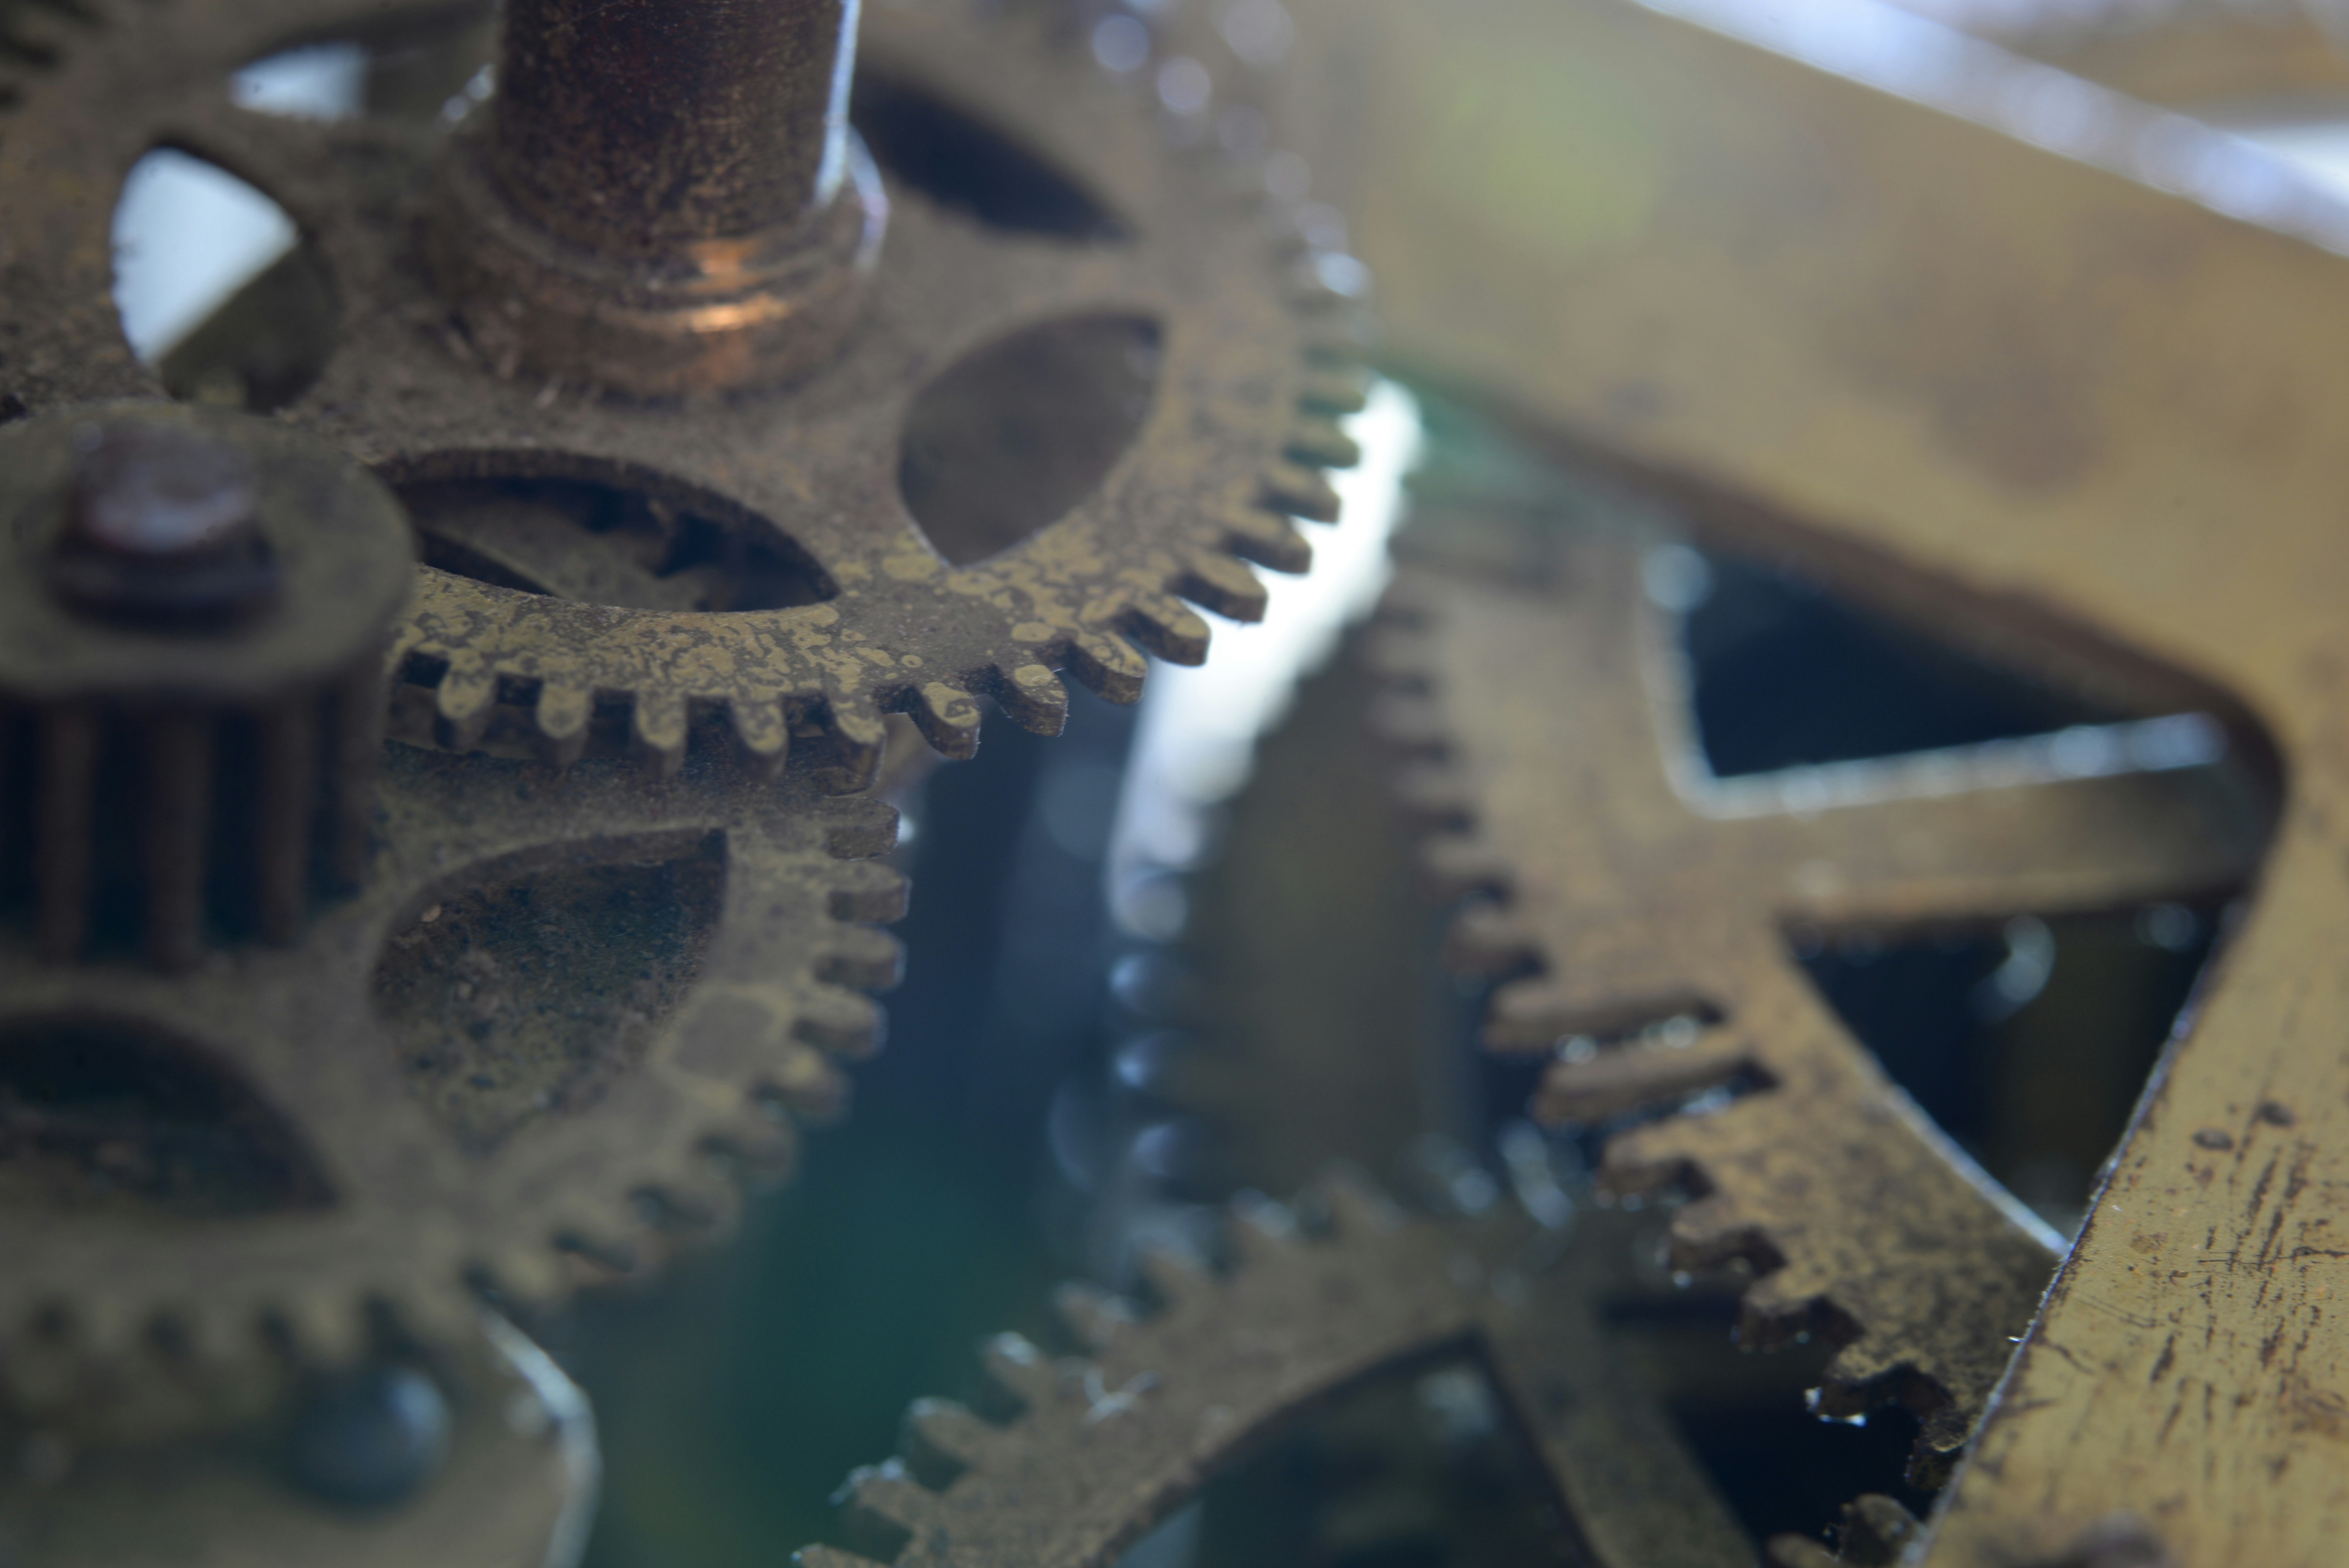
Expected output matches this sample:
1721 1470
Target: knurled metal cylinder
194 607
663 197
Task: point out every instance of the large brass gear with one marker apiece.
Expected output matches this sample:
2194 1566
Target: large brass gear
415 1114
1613 885
1259 351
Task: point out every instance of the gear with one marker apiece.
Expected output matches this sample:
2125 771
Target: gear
527 1054
1256 335
1614 888
1105 1446
196 595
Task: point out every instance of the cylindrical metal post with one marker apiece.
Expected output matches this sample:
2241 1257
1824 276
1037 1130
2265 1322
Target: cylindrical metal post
665 197
652 125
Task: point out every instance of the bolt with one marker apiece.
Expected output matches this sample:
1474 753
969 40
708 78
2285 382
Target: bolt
369 1439
161 526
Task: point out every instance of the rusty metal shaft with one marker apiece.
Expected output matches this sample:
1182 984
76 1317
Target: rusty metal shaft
645 125
666 198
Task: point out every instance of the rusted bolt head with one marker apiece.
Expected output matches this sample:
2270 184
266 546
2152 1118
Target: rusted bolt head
162 526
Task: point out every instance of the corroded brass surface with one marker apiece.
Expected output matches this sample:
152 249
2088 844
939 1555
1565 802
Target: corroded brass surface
1987 385
1256 353
1108 1445
1555 746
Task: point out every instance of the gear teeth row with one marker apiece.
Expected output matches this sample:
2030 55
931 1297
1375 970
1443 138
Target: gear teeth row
1730 1157
1095 1448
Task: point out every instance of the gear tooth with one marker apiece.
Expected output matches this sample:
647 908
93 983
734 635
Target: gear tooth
1799 1552
464 702
1778 1305
657 730
1095 1315
1325 280
561 713
1224 585
1261 1229
756 1140
872 833
1411 723
1658 1154
1357 1206
601 1239
861 957
868 890
1484 940
530 1275
1335 389
1015 1365
1528 1014
1173 1279
323 1330
941 1438
1339 341
762 734
862 734
1319 443
833 1557
1859 1367
105 1329
433 1311
1400 654
1460 865
884 1503
1268 539
807 1083
1711 1231
948 717
845 1023
204 1332
1301 492
1941 1441
697 1197
1169 628
1436 793
1110 665
1035 698
1631 1077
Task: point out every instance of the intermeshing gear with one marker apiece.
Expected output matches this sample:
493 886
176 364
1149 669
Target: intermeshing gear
1630 908
1251 334
1106 1444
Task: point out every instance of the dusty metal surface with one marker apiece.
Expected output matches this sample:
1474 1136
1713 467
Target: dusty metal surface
1985 384
1255 353
1106 1445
